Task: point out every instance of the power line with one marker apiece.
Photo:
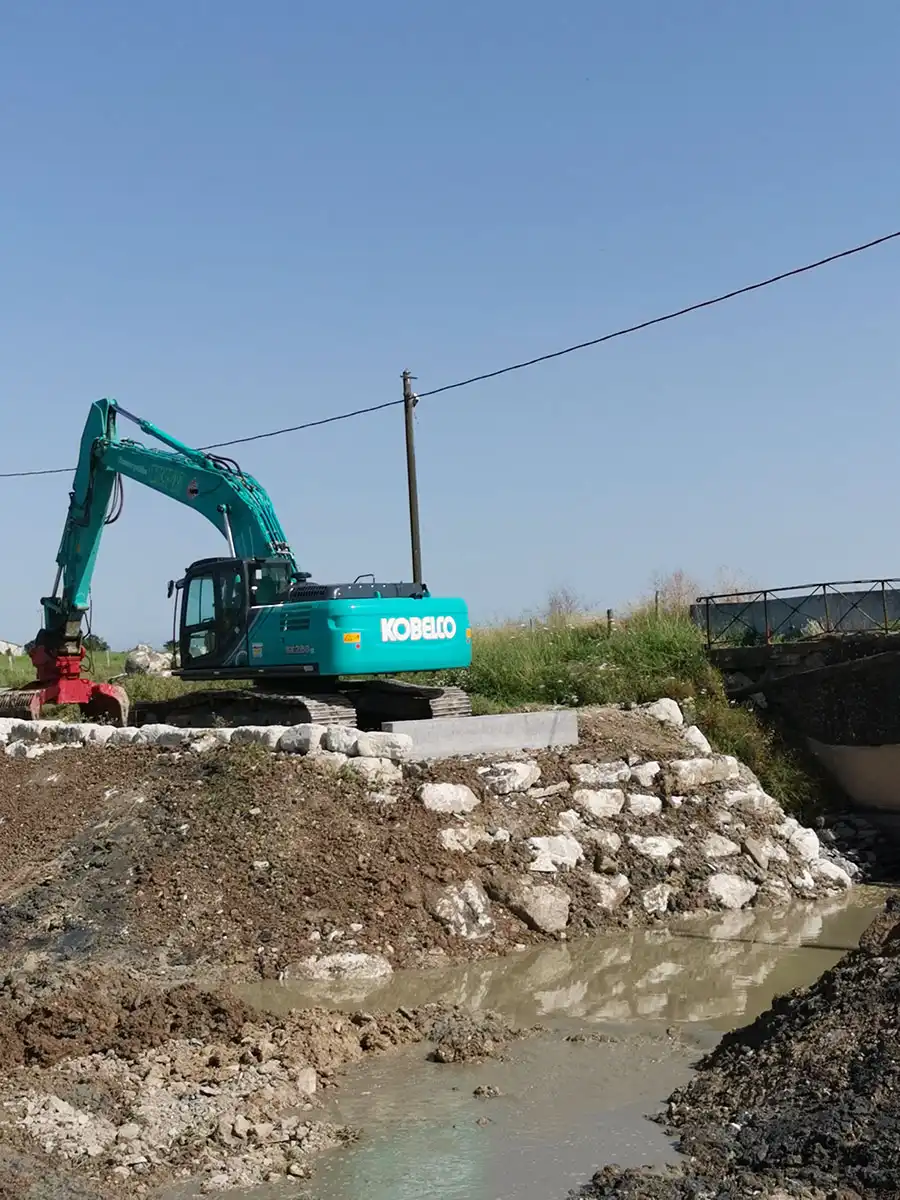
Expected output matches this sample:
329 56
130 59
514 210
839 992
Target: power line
530 362
255 437
680 312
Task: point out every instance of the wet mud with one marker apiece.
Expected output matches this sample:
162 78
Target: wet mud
800 1103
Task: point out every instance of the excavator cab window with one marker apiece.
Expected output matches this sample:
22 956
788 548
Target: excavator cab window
214 615
271 584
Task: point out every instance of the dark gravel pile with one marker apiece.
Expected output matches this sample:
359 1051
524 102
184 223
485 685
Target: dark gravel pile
805 1102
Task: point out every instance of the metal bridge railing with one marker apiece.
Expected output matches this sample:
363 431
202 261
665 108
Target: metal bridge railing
799 613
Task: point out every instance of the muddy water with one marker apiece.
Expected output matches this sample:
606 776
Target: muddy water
721 970
654 998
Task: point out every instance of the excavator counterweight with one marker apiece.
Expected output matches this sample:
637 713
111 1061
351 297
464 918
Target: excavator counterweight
295 650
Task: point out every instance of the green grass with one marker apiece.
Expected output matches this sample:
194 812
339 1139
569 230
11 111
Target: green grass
573 661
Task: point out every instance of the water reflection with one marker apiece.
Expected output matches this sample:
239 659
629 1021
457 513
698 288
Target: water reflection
711 969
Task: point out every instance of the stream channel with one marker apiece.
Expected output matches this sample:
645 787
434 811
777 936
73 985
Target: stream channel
642 1005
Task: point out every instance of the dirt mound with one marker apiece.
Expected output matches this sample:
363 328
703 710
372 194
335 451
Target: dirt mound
104 1015
802 1100
125 1087
240 863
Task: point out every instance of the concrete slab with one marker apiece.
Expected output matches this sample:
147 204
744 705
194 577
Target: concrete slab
501 733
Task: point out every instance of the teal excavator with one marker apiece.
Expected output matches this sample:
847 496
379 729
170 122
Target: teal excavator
293 649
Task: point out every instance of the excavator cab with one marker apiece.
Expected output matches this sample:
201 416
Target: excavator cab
218 599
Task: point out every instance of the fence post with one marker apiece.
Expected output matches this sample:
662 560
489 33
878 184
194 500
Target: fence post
609 622
884 606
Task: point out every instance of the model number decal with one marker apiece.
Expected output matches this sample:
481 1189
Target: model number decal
298 649
414 629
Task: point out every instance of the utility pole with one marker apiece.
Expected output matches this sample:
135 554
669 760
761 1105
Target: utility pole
410 400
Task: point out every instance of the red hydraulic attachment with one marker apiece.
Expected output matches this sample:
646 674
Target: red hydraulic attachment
59 681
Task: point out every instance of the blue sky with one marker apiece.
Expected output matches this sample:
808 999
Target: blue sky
235 217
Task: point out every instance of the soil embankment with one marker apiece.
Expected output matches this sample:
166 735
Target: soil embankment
243 863
802 1102
137 883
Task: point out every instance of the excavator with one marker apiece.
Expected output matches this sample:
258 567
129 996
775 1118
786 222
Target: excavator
277 647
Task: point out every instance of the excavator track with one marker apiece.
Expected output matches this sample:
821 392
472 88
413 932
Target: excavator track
244 706
381 700
17 702
366 704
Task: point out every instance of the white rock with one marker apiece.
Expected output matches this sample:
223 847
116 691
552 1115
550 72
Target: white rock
831 873
463 838
758 850
161 736
341 739
16 749
448 797
66 734
610 890
603 839
752 800
99 735
346 965
697 739
660 846
501 836
376 770
774 892
205 743
508 777
544 793
257 735
716 846
124 736
305 1080
26 731
600 774
569 821
7 725
665 711
331 760
645 773
144 660
675 801
690 773
465 910
730 891
551 853
644 806
395 746
301 739
607 802
656 899
787 829
541 906
805 844
804 882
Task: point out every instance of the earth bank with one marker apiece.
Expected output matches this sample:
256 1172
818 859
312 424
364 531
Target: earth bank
136 876
237 861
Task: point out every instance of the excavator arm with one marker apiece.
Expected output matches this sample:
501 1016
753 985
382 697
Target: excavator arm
214 486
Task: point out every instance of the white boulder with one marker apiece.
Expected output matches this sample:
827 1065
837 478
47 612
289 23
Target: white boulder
465 910
551 853
730 891
506 778
605 802
448 797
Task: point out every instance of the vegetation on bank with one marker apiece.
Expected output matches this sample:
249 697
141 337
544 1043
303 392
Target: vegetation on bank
571 658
